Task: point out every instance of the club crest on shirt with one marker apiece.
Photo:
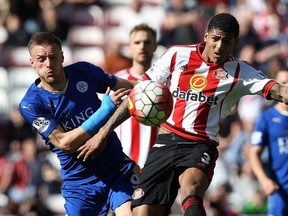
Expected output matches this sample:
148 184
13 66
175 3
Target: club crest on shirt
198 82
138 193
221 74
82 86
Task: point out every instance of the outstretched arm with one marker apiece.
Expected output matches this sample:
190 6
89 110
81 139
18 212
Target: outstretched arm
267 184
70 141
279 93
98 142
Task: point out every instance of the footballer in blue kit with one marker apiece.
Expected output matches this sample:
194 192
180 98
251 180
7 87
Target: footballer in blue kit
63 107
271 131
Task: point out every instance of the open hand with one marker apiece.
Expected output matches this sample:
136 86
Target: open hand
117 96
93 146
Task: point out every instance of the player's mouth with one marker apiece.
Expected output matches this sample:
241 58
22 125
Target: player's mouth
218 57
49 73
217 54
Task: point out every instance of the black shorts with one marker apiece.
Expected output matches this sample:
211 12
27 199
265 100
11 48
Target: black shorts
169 157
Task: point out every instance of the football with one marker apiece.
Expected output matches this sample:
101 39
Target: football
150 103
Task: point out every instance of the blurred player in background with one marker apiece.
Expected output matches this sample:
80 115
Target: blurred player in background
137 139
271 131
63 107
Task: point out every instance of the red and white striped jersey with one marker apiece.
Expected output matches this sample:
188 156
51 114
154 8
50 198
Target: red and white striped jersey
204 93
137 139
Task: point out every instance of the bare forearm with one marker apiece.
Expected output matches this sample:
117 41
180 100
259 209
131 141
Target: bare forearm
256 165
98 142
68 141
279 93
120 115
268 185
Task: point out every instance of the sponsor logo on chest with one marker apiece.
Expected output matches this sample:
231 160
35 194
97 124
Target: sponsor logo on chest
196 92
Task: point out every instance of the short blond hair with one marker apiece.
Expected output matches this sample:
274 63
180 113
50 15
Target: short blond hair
39 38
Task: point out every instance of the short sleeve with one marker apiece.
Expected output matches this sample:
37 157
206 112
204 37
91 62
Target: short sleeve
38 117
259 134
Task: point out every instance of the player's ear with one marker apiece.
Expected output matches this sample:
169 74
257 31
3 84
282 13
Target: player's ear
206 36
31 62
62 57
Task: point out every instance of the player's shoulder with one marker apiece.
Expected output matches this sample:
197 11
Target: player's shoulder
82 66
268 113
232 60
245 68
33 96
78 64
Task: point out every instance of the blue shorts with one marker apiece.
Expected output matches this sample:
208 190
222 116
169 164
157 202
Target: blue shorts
96 198
277 203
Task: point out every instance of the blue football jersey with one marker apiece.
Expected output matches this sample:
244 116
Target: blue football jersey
44 110
271 131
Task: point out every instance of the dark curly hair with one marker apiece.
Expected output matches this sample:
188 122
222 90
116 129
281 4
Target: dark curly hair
224 22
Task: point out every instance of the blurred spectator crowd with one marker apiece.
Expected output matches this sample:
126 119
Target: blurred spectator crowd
98 31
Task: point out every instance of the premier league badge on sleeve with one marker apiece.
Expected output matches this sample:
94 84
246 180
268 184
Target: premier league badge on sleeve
41 124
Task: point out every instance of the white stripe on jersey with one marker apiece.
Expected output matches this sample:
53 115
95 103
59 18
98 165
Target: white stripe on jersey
144 136
125 132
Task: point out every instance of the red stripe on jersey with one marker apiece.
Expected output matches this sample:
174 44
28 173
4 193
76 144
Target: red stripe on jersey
204 108
173 61
188 71
235 78
131 77
146 77
136 138
179 112
135 148
178 108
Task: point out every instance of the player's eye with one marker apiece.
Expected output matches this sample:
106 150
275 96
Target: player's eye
41 59
215 38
